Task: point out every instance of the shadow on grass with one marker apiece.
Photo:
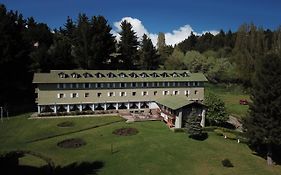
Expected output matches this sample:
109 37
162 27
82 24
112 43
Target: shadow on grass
203 136
82 168
261 151
10 163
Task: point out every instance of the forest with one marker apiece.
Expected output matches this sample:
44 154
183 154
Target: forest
28 46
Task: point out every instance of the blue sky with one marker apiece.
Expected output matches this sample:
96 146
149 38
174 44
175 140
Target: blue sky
155 15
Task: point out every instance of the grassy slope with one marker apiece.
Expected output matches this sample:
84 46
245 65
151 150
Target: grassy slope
154 150
231 96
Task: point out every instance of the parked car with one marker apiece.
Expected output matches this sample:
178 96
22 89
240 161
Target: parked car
243 102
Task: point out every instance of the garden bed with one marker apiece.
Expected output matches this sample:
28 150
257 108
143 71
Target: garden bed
71 143
125 131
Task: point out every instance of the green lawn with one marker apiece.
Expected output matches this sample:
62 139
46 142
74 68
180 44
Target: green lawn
231 96
154 150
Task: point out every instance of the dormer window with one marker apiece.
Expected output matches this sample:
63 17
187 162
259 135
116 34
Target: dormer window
154 74
75 75
144 75
111 75
122 75
87 75
133 75
62 75
184 74
99 75
164 74
174 74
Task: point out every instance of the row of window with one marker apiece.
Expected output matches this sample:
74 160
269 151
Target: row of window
127 85
122 94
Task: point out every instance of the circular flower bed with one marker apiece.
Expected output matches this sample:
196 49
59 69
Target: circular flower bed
66 124
71 143
125 131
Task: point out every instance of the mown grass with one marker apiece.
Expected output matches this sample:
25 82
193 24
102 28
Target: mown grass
154 150
231 96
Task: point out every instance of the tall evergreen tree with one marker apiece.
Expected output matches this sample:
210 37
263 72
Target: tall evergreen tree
14 61
102 43
149 60
192 125
264 121
128 46
69 28
60 53
82 39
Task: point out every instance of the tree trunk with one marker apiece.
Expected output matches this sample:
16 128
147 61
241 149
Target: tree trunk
269 155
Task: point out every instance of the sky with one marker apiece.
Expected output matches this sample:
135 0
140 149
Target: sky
176 18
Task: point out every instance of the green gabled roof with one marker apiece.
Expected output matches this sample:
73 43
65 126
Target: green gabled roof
54 76
175 102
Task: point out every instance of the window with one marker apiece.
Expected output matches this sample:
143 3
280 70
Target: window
111 94
144 93
122 94
176 92
195 83
144 84
165 92
74 95
60 85
111 85
186 92
99 94
133 84
155 93
60 95
87 94
98 85
195 92
134 93
122 85
87 85
74 85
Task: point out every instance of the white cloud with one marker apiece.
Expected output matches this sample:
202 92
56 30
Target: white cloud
171 38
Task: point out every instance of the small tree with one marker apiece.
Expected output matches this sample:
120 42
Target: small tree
216 113
193 127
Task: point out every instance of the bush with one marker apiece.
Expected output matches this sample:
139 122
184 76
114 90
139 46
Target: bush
210 128
218 132
230 136
227 163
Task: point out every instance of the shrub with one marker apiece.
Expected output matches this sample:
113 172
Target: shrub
227 163
218 132
230 136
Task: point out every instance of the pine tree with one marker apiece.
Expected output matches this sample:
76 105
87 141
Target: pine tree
149 60
263 123
127 46
102 43
82 40
193 126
